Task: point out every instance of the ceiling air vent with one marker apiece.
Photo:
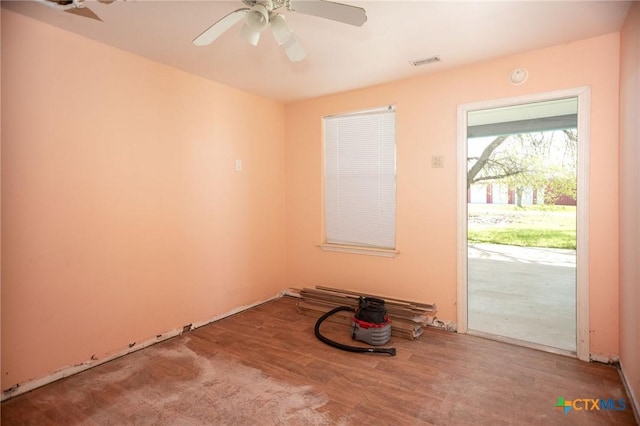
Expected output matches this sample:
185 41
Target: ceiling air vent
425 61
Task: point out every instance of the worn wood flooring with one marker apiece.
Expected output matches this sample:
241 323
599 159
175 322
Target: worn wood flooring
264 366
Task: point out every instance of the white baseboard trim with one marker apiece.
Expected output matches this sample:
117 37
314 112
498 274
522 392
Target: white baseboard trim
30 385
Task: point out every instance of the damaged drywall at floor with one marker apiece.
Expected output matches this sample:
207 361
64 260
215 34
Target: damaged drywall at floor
20 388
444 325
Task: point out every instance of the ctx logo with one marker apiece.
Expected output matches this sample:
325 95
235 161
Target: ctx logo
591 404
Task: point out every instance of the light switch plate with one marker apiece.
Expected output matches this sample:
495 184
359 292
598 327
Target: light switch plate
437 161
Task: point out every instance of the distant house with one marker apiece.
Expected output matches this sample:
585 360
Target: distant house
496 193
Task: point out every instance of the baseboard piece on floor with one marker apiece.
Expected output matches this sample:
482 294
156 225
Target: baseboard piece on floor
633 400
30 385
431 322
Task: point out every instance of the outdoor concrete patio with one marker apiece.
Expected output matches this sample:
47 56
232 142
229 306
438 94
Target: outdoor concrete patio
523 293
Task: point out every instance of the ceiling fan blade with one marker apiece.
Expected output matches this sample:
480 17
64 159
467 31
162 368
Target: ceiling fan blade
344 13
294 49
85 12
216 30
250 35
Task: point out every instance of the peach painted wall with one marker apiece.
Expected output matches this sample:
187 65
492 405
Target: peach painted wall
425 270
122 214
0 193
630 200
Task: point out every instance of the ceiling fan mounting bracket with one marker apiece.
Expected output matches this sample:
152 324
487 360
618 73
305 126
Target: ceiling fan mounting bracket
273 4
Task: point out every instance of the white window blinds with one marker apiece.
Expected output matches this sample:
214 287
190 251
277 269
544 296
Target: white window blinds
360 178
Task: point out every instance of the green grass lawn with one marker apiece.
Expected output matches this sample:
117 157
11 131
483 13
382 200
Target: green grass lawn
529 226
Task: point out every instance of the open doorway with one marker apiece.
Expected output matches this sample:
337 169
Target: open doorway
520 233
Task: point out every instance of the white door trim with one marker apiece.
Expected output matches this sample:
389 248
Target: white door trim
582 262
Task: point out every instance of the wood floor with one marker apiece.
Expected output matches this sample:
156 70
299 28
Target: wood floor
264 366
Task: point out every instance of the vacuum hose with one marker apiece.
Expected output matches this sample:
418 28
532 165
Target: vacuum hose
390 351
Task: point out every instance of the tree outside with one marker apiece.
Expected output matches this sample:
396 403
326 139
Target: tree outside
542 162
545 161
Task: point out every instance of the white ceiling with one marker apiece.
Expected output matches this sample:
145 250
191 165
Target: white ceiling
339 57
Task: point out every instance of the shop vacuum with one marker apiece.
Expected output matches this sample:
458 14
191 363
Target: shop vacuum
370 324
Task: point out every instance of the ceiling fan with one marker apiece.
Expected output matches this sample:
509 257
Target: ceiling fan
259 14
75 7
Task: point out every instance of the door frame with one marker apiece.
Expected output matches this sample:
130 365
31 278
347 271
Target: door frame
582 245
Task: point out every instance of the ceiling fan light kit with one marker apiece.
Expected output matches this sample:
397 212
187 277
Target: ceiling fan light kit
280 29
257 18
286 39
294 50
259 14
251 36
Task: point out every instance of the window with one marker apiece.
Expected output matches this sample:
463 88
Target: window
360 178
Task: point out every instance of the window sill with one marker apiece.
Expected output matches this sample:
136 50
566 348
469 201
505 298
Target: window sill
370 251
